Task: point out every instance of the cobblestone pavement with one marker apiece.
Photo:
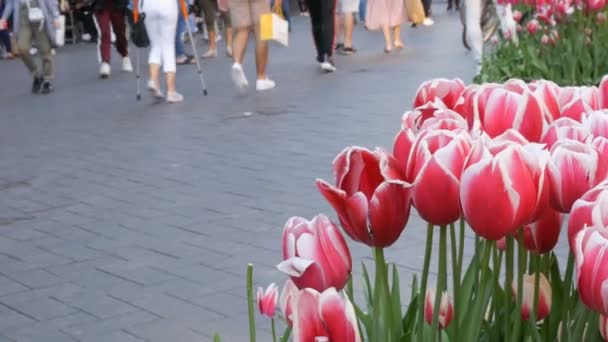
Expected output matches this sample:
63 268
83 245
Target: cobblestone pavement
126 221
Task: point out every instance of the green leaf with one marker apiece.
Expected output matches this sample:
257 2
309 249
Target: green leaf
396 304
365 319
367 287
410 321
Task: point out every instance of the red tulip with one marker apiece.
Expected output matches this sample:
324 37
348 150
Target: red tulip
546 92
448 91
591 255
576 109
604 327
603 90
267 300
562 129
446 309
532 26
499 110
597 123
596 5
315 254
289 292
590 210
573 171
542 235
588 95
444 119
502 244
464 104
544 297
600 144
516 85
371 209
498 193
437 163
324 317
517 15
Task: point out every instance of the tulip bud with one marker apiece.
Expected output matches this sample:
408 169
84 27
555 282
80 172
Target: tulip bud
517 15
502 244
601 18
542 235
596 5
448 91
507 35
544 297
597 123
544 39
532 26
446 309
267 300
315 254
591 255
565 128
603 93
604 327
554 37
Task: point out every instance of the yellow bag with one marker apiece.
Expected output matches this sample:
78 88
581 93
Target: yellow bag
274 27
415 11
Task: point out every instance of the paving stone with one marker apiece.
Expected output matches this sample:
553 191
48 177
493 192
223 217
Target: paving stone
42 309
107 326
35 279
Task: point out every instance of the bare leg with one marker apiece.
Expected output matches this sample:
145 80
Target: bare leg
397 37
212 42
261 56
155 75
239 44
387 38
349 23
171 82
229 36
339 32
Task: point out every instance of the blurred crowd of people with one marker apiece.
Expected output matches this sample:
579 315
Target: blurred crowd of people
28 29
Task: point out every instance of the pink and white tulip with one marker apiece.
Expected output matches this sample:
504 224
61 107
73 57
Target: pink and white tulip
547 92
289 292
315 254
563 129
544 297
597 123
371 209
542 236
446 308
603 91
591 210
267 300
324 316
591 255
532 26
448 91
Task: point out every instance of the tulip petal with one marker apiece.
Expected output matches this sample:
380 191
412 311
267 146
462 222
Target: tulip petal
295 266
332 309
389 211
307 324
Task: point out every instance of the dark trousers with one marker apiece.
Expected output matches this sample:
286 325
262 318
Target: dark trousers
5 40
85 16
426 4
322 14
116 18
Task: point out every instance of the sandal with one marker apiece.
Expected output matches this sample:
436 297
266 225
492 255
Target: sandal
187 60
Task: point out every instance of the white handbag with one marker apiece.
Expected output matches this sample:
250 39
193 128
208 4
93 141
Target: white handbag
34 14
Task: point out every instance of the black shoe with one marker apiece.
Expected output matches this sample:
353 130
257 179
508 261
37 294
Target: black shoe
339 46
37 84
449 7
348 50
47 87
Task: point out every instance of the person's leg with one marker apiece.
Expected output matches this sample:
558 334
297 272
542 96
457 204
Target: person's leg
229 34
169 25
328 12
388 44
120 31
48 68
426 4
261 47
316 21
287 12
339 29
349 24
105 42
473 25
153 27
362 10
209 10
24 43
397 37
180 51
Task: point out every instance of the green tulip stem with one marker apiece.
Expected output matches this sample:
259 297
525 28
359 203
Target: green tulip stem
521 270
455 272
497 257
461 245
441 280
424 281
274 330
567 305
286 334
250 302
536 260
382 305
508 285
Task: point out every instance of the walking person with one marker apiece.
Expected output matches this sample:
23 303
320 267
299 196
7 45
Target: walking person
181 57
245 16
110 17
428 21
387 15
345 23
161 25
210 10
42 29
5 39
322 14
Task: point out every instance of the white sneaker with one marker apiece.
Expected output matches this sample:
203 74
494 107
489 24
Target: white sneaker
126 64
238 76
86 37
265 84
154 90
327 67
104 70
174 97
428 22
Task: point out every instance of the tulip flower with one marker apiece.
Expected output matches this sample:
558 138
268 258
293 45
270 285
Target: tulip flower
590 210
601 18
600 144
576 109
596 5
547 92
532 26
575 101
516 85
544 39
573 170
499 110
544 296
444 119
324 316
591 255
517 15
267 300
597 123
446 308
465 104
448 91
542 235
498 193
437 163
315 254
502 244
603 90
562 129
604 327
372 210
290 291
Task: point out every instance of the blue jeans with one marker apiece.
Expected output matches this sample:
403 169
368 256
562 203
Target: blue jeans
179 35
286 10
362 9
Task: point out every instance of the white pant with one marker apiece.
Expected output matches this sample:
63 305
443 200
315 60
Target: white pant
161 24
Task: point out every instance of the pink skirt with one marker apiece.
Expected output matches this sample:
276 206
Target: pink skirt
385 12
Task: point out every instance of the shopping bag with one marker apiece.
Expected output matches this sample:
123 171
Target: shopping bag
415 11
60 32
274 27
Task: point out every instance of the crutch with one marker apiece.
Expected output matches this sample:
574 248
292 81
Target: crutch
137 74
194 50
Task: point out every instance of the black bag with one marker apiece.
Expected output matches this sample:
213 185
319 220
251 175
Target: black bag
139 35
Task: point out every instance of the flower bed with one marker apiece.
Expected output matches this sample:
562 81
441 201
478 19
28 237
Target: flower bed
563 41
507 161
